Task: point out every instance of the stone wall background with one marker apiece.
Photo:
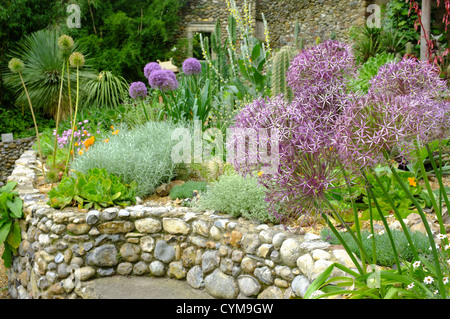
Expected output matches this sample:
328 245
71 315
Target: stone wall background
9 153
317 18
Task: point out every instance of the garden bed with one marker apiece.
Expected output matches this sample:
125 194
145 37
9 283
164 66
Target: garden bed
227 257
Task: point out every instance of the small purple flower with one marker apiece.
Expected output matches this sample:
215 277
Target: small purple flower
138 90
192 66
164 80
150 67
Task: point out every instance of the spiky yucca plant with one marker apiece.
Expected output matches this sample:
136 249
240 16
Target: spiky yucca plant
42 76
106 90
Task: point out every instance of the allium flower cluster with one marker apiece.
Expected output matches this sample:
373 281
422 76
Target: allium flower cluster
150 67
324 127
164 80
16 65
303 139
408 77
321 69
372 124
138 90
65 43
76 60
192 66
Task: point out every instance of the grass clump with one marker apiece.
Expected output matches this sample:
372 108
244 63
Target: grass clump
186 190
383 249
238 196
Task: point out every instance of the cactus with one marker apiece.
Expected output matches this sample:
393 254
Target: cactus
297 41
280 66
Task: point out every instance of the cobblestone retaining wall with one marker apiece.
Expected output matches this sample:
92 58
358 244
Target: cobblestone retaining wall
227 257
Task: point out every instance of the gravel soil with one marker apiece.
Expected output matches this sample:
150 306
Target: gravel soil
3 278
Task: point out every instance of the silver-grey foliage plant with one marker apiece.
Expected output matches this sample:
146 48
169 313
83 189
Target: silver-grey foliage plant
142 155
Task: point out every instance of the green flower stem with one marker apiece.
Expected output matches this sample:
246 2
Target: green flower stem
355 213
35 125
372 231
427 228
399 217
68 88
386 225
145 111
428 187
343 243
358 242
71 144
442 192
58 114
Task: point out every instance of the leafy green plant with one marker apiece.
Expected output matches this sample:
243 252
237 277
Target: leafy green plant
394 191
238 196
10 210
96 189
368 70
404 281
186 190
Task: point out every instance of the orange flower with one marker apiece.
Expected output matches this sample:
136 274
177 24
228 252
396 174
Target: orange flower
71 152
80 152
89 142
106 140
412 181
112 127
76 144
115 132
85 132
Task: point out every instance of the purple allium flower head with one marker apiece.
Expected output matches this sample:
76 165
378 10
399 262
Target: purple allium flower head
192 66
304 135
138 90
164 80
408 77
150 67
321 69
372 124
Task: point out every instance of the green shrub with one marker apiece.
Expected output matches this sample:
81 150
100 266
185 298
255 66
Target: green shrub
96 188
142 155
10 210
368 70
186 190
238 196
384 252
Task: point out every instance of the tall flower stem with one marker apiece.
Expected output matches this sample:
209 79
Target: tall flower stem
427 228
71 144
35 125
58 114
386 225
361 269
